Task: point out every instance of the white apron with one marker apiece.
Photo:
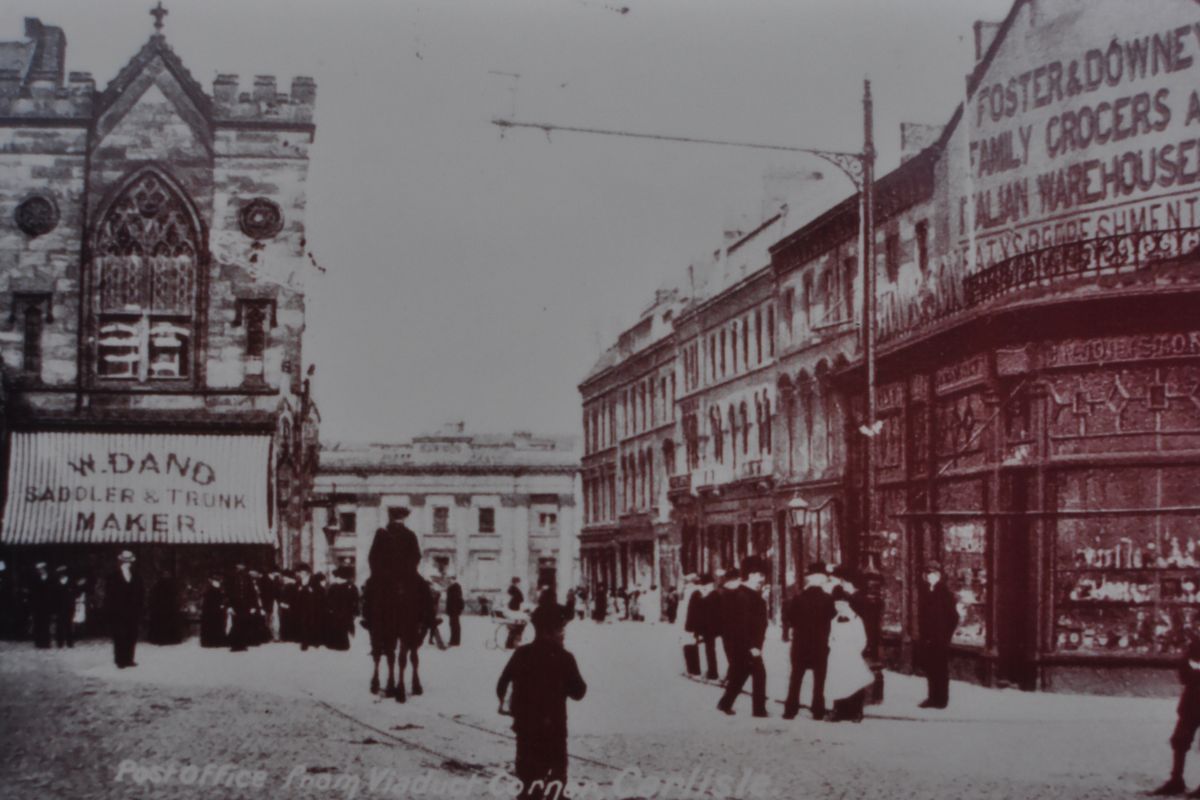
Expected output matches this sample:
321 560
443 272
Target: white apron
848 671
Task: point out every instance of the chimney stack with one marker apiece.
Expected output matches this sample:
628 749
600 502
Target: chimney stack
985 34
264 88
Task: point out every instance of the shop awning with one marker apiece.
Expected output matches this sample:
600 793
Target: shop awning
137 488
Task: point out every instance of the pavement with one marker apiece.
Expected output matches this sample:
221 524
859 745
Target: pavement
76 726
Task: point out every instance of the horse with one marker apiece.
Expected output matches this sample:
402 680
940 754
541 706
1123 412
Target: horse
398 615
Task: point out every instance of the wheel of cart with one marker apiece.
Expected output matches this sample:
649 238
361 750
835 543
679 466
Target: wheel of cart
504 626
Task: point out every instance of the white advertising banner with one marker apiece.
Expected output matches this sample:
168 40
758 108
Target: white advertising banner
86 488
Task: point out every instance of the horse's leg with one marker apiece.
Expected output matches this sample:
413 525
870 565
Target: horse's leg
390 655
375 674
416 663
400 695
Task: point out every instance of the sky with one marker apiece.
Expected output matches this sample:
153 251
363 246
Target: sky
476 276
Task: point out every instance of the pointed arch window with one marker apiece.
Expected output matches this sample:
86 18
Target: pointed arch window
147 256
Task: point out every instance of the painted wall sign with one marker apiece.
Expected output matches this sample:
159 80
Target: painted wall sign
1084 130
1105 349
960 374
1085 127
137 488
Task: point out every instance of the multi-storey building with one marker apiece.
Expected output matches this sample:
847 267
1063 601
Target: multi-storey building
151 237
629 453
1038 363
727 335
487 508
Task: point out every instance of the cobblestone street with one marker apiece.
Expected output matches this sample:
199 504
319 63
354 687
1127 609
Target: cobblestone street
77 727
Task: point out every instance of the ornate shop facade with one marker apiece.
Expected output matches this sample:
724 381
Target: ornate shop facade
1038 366
150 233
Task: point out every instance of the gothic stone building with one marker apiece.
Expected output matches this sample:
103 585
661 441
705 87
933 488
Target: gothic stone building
150 235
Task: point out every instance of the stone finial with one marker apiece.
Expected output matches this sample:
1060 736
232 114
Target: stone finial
264 88
158 12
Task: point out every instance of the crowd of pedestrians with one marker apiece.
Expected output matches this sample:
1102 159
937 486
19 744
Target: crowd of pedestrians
826 626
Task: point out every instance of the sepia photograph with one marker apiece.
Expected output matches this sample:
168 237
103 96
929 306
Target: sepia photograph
599 399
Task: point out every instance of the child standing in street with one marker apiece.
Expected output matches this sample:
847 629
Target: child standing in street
1188 722
543 675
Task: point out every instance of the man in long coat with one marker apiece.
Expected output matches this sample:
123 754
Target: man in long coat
808 616
700 621
64 608
124 597
937 617
307 601
746 614
454 609
724 614
41 604
395 551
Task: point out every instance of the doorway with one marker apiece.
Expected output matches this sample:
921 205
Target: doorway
1015 588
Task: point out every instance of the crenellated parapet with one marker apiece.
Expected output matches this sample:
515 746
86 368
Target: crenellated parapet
35 88
264 103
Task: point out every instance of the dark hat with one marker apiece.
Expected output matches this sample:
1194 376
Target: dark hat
706 578
753 564
547 618
399 513
815 568
302 567
344 572
933 566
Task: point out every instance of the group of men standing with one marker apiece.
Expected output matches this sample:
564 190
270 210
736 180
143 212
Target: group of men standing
54 606
248 609
825 625
735 613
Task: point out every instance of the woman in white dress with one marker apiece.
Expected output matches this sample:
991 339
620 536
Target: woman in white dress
848 675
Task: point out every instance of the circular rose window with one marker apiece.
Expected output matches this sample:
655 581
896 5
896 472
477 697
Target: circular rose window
37 215
261 218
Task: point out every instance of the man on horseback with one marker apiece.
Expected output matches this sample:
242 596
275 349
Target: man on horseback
396 602
395 552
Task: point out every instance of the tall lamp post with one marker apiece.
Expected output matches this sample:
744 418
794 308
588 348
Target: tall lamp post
859 167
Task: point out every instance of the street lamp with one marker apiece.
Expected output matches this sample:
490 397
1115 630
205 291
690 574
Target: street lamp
859 167
798 512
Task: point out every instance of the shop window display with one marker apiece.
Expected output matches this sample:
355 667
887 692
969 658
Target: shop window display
1127 583
965 556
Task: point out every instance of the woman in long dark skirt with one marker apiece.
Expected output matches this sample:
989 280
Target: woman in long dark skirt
212 615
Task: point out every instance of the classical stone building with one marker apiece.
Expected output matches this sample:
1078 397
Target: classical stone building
1038 363
487 508
151 240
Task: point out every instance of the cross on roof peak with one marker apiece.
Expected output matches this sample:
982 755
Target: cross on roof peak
158 12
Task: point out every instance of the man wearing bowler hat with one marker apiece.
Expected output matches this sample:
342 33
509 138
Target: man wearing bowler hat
937 617
123 600
809 615
746 611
